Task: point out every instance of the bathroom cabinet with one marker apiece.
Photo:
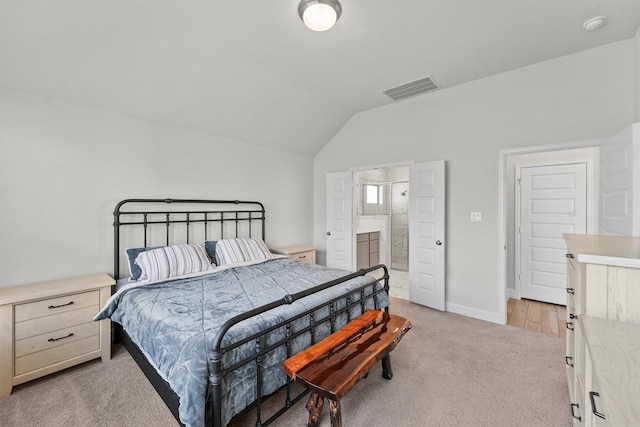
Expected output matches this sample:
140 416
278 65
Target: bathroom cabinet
368 249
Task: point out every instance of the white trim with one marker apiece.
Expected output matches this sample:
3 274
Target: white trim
382 166
635 231
474 312
502 236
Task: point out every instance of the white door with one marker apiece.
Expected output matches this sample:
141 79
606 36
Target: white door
426 234
339 203
553 200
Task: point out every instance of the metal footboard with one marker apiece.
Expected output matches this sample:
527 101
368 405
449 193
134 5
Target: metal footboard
356 297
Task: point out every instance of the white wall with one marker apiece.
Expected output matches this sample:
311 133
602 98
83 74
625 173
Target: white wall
616 184
581 96
636 73
67 166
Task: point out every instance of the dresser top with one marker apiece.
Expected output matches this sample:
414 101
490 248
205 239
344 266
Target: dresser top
33 291
292 250
620 251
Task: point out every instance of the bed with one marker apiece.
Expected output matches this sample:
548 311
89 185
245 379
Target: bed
211 336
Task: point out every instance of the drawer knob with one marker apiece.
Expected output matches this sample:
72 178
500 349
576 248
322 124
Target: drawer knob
61 305
61 338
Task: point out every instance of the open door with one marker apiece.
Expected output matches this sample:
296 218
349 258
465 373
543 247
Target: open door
339 204
427 234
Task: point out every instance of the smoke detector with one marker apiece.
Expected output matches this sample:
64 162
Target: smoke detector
594 23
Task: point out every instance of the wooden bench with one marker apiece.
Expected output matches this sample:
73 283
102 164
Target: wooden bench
330 368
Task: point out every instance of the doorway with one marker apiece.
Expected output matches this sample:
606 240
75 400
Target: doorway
577 152
381 201
426 236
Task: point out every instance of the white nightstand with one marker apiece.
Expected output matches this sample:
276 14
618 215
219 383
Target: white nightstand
46 327
302 253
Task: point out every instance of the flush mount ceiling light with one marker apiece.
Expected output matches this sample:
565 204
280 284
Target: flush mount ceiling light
594 23
319 15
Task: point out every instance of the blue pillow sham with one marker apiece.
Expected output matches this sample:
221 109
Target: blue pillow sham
210 247
132 254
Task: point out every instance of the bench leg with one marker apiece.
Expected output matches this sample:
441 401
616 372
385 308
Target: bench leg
387 373
314 406
336 413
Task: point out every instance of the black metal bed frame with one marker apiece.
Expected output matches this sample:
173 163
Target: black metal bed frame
227 211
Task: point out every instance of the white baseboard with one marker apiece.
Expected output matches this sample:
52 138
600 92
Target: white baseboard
474 312
512 293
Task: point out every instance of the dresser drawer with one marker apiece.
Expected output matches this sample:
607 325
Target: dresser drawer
56 305
54 322
41 359
306 257
55 338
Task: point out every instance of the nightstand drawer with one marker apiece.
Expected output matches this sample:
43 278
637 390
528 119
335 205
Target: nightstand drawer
301 253
56 354
57 305
40 325
56 338
306 257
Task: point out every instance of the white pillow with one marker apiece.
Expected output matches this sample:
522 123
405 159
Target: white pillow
172 261
232 251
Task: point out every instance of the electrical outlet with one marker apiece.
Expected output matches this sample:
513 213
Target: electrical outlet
476 216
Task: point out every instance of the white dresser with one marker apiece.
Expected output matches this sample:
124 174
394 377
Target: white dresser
48 326
603 329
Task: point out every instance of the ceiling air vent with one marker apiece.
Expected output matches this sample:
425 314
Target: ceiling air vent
414 88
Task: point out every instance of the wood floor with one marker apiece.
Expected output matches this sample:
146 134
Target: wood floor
537 316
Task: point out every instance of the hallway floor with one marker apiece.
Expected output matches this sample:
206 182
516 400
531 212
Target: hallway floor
537 316
399 284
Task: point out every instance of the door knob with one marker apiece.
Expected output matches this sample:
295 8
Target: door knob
438 242
328 233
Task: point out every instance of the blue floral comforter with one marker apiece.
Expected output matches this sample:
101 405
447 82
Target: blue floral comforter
174 324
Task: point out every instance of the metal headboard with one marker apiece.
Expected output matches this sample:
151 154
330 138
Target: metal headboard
186 221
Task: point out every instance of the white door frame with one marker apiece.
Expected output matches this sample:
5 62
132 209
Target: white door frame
503 295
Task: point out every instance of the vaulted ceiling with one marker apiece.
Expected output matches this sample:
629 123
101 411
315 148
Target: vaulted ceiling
250 70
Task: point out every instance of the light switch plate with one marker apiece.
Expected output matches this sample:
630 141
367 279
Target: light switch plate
476 216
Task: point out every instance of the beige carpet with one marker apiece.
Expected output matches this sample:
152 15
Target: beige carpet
449 370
